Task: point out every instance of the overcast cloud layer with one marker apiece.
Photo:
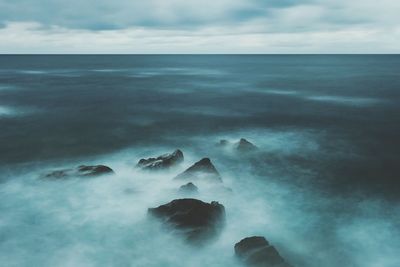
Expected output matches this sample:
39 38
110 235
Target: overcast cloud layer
206 26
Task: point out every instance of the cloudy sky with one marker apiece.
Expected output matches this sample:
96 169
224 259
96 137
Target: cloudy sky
199 26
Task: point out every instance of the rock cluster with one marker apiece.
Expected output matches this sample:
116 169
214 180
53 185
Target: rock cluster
242 145
162 162
197 221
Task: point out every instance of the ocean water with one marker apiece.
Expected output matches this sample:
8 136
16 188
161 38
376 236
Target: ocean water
323 187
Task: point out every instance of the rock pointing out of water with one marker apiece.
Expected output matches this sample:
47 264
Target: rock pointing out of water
244 146
257 252
83 170
162 162
202 170
196 220
188 188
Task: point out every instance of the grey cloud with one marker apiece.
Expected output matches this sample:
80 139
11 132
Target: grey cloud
103 14
199 26
281 15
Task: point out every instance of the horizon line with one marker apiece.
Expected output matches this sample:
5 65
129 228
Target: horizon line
189 54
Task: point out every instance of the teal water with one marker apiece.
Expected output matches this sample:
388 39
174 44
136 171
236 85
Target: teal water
323 188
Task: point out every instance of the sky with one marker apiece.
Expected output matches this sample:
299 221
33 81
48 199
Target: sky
199 26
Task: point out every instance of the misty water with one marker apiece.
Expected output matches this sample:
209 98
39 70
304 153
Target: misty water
323 186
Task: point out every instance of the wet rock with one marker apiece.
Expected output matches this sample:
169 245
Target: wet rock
188 188
95 170
196 220
202 170
256 251
59 174
82 171
162 162
244 146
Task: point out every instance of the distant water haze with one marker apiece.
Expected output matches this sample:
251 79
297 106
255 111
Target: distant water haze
322 186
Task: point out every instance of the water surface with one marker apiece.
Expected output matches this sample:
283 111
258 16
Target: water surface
323 187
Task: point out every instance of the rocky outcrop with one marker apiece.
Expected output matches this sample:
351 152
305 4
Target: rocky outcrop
59 174
189 188
196 220
244 146
96 170
82 171
162 162
257 252
202 170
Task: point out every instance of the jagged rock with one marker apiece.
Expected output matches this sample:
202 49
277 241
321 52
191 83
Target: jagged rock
257 252
83 170
189 188
201 170
244 146
196 220
162 162
95 170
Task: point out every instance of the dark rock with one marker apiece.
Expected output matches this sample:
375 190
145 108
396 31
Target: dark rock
59 174
95 170
201 170
188 188
161 162
196 220
244 146
256 251
83 170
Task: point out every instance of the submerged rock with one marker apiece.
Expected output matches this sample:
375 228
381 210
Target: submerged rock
188 188
244 146
162 162
256 251
83 170
95 170
59 174
201 170
196 220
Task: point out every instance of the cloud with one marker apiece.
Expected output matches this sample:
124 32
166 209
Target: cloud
103 14
245 39
217 26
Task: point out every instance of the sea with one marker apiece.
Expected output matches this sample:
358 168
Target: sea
323 186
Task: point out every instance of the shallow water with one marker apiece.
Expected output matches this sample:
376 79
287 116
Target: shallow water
323 187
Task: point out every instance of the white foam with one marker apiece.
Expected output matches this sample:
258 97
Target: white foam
102 221
34 72
7 111
345 100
